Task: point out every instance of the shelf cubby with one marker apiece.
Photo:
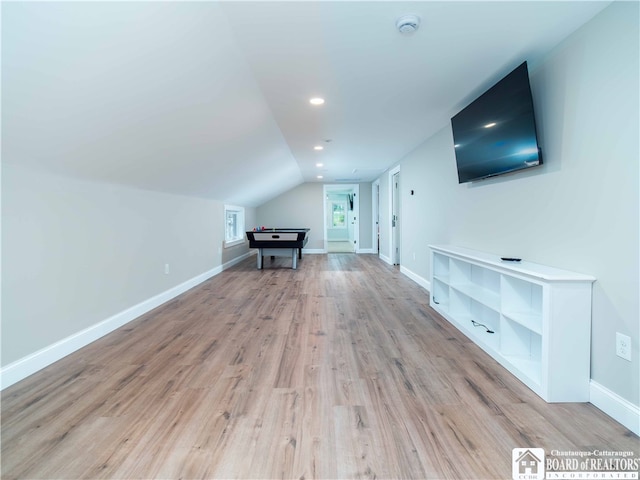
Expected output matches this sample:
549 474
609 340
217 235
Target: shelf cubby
440 295
484 324
521 302
441 267
477 283
519 341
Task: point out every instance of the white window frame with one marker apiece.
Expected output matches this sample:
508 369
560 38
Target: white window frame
343 204
229 238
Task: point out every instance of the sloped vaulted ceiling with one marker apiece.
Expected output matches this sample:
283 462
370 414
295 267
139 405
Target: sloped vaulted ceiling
154 95
211 98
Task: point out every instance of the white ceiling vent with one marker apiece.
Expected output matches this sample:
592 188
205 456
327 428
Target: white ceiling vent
407 24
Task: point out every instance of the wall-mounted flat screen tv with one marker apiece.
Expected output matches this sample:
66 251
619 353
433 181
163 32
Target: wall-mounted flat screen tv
496 133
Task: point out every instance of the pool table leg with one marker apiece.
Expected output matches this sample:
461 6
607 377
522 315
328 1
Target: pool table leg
260 259
294 259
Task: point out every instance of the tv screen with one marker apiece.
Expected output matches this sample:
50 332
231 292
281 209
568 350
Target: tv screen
496 133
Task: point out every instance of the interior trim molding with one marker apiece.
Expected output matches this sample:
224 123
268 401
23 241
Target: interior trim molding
384 258
618 408
30 364
423 282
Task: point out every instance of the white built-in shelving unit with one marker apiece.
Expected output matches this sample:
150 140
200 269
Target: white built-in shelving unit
540 317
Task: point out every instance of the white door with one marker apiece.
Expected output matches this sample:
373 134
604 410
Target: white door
395 219
376 216
354 215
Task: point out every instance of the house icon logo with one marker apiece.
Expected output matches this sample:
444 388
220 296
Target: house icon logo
527 463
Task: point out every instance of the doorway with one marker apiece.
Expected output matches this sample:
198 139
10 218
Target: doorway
341 213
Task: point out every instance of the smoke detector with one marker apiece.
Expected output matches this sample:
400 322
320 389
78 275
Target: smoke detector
407 24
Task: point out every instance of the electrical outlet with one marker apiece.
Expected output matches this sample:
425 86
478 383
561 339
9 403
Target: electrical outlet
623 346
414 255
166 269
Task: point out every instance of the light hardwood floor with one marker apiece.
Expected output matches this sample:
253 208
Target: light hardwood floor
340 247
339 369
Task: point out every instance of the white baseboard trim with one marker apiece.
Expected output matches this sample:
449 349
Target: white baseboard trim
366 250
22 368
618 408
385 259
424 283
236 260
314 251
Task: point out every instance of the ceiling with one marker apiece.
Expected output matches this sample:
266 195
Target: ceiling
211 99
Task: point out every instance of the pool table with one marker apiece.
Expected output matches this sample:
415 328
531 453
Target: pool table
279 242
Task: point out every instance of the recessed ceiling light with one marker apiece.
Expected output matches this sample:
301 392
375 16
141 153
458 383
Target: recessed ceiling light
318 147
316 101
319 165
489 125
319 177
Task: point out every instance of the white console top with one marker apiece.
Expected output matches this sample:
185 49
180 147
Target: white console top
523 267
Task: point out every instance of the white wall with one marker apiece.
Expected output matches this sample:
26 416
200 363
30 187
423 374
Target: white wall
300 207
75 253
579 211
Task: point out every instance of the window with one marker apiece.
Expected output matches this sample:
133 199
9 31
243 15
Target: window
338 214
233 225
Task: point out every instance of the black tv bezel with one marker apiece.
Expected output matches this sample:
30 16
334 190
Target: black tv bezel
498 87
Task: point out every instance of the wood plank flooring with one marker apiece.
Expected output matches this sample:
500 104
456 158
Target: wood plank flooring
339 369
